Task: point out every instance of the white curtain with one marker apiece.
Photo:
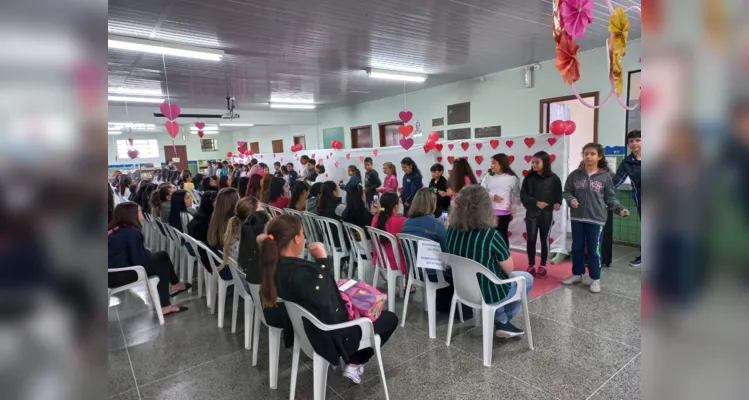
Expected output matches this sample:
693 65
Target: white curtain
559 111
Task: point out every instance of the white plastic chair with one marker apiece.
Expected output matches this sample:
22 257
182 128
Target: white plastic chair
143 279
203 274
275 211
468 292
216 285
274 338
369 339
418 277
361 250
296 213
379 238
311 230
249 305
331 229
265 207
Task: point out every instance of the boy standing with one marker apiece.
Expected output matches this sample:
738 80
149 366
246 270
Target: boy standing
371 181
439 184
292 175
304 160
311 173
277 170
630 167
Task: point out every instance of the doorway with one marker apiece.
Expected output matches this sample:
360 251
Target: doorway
389 133
570 108
300 140
176 152
361 137
277 146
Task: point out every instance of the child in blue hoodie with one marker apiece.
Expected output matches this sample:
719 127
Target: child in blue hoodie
412 182
589 191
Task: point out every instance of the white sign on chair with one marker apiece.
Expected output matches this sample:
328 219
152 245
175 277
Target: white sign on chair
428 255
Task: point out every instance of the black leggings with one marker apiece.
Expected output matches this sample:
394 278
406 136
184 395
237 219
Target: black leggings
159 265
541 222
503 226
384 326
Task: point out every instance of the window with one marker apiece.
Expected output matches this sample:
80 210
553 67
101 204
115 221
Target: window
208 145
146 148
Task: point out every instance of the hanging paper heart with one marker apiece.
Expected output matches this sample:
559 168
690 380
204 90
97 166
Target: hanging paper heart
406 143
526 172
326 175
170 111
464 145
479 172
479 146
509 143
450 159
449 172
406 130
241 143
172 127
509 234
335 164
552 141
494 143
130 141
439 147
528 158
439 159
552 157
479 159
375 151
229 154
331 154
361 159
529 142
319 161
327 157
405 116
200 125
241 149
133 153
348 155
551 240
200 134
400 190
274 155
313 155
511 159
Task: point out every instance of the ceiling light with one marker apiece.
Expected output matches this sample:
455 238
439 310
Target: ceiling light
192 132
237 124
205 129
136 99
396 75
137 92
114 132
135 126
169 49
293 106
291 101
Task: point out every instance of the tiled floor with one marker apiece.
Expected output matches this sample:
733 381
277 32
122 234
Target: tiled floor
586 347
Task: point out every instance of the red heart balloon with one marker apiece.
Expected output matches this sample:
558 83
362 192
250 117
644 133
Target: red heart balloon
464 145
348 155
558 127
335 164
552 157
200 134
439 147
375 151
361 158
494 143
450 159
172 127
526 172
228 155
313 155
479 159
528 158
200 125
479 172
319 161
248 153
511 159
439 159
529 142
552 141
434 135
509 143
570 127
133 153
406 130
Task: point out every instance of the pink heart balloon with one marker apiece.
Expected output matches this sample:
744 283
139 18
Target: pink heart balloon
170 111
133 153
241 143
200 125
405 116
406 143
172 127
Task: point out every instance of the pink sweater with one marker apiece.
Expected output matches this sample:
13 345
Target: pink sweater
390 185
393 226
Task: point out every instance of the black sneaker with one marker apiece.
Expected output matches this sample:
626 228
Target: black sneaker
506 330
636 262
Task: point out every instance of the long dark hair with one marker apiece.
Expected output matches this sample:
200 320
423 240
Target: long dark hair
546 161
326 196
125 182
408 161
354 202
253 188
253 226
242 186
146 196
264 186
223 182
388 202
602 163
205 184
299 188
314 191
226 201
138 194
461 170
178 207
198 180
275 189
125 215
206 205
356 171
504 162
281 231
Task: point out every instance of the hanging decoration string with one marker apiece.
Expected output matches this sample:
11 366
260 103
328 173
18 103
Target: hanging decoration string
168 99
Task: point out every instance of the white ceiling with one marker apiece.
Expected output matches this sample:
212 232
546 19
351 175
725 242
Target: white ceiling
320 48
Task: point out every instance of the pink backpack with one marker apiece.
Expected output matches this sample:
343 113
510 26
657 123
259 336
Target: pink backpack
361 299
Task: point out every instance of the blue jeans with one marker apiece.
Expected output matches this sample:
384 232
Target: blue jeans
504 314
590 235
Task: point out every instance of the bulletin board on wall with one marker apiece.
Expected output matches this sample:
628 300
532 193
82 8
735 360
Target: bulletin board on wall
331 134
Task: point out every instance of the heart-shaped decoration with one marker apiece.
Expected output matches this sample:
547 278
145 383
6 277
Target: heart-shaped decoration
375 151
450 159
361 158
130 140
133 153
479 172
312 155
464 145
511 159
509 234
552 141
551 240
241 150
200 125
406 130
327 157
274 155
405 116
509 143
552 157
494 143
450 146
261 156
229 154
319 161
241 143
529 142
479 146
439 159
331 153
406 143
439 146
348 155
526 172
172 127
479 159
200 134
528 158
525 235
326 175
170 111
335 164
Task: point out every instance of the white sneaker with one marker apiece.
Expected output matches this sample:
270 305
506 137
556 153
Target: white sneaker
354 373
595 286
572 279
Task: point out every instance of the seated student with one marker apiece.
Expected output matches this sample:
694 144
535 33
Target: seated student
187 182
310 285
355 211
314 192
299 196
223 210
471 234
126 249
208 183
311 171
264 186
198 227
320 171
253 187
276 191
329 205
224 181
242 186
165 202
144 202
388 220
421 221
438 184
244 208
178 214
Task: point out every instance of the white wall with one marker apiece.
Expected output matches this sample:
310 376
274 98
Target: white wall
225 144
265 135
501 100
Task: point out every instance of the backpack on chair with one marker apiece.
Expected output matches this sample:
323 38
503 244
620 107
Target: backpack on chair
362 300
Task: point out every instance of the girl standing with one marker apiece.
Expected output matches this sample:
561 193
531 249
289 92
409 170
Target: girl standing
354 178
411 182
504 190
391 179
589 191
462 175
541 195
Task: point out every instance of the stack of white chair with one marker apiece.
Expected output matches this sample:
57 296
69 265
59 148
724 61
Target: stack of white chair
379 238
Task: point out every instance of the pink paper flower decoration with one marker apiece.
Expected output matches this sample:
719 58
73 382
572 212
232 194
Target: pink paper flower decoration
576 15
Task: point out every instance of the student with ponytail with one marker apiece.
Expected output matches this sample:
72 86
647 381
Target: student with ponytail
388 220
310 285
244 208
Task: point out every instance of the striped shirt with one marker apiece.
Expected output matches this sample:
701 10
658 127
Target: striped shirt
486 247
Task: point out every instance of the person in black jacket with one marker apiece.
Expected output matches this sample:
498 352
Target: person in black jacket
541 194
356 211
126 249
439 184
310 285
630 168
329 205
371 181
198 227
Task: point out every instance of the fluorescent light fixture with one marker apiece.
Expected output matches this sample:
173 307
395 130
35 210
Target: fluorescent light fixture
169 49
114 132
237 124
130 99
136 92
396 75
293 106
135 126
192 132
291 101
206 129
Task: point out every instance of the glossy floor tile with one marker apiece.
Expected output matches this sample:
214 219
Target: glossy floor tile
586 346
